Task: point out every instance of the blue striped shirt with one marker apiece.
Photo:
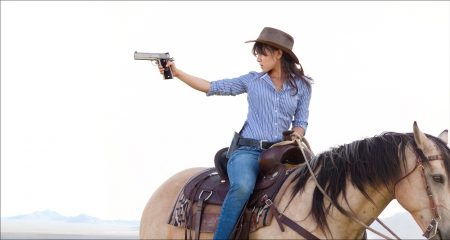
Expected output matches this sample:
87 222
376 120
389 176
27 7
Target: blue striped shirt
269 112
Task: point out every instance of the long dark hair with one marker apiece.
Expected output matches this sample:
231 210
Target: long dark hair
367 163
288 66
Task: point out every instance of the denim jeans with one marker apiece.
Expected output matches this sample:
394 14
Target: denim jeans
242 171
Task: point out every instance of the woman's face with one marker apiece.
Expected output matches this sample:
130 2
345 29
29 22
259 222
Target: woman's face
270 61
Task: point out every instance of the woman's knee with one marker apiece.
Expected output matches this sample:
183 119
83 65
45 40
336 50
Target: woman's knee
243 189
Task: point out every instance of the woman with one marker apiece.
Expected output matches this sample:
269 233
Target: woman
278 97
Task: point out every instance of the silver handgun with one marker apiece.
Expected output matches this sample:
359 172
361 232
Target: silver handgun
160 59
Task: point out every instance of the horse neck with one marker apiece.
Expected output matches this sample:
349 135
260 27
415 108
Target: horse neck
341 226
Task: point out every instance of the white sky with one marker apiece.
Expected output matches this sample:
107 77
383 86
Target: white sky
87 129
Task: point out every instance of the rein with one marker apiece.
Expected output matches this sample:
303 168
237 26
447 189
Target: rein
433 207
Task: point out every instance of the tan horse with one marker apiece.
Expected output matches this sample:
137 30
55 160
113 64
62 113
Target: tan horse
361 177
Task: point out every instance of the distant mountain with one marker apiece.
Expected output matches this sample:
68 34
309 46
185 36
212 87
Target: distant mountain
44 215
52 225
49 215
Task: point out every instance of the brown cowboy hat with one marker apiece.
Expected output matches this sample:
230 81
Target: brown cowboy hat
278 39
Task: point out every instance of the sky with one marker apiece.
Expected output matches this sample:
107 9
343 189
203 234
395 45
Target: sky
85 128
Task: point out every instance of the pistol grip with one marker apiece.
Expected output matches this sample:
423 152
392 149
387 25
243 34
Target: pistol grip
167 71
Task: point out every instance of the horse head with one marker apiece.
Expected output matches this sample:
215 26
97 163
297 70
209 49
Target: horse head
424 190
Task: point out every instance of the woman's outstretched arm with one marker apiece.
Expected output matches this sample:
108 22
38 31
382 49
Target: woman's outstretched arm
196 83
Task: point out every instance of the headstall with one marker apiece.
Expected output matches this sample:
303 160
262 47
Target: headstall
432 228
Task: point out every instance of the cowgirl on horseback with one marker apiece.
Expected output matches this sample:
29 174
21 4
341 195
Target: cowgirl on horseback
278 98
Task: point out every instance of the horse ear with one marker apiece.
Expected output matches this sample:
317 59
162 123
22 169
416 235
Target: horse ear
444 136
422 141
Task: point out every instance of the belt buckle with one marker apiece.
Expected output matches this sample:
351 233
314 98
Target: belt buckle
261 143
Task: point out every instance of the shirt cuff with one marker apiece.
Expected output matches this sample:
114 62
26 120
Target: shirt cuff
212 89
303 125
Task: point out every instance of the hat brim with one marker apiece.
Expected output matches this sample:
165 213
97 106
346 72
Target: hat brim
274 44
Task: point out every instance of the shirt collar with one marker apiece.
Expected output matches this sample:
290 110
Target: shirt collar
265 77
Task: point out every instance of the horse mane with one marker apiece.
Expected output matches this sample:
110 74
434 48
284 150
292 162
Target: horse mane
366 163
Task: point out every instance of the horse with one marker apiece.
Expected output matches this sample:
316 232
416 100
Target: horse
361 178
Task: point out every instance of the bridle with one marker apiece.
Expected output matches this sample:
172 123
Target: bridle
432 228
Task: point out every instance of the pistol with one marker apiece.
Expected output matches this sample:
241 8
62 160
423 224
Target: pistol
160 59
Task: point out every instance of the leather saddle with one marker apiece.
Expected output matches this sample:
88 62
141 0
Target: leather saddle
211 186
273 163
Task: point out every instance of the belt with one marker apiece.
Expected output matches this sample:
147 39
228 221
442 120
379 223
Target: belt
263 144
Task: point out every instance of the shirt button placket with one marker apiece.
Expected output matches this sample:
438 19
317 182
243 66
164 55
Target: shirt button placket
276 115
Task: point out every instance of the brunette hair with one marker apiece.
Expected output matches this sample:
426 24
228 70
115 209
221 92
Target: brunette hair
288 66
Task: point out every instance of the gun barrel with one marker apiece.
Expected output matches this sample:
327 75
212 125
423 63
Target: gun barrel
150 56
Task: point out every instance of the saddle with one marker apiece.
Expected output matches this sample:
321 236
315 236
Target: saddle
207 189
211 187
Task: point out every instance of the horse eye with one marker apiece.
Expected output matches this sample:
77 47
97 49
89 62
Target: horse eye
438 178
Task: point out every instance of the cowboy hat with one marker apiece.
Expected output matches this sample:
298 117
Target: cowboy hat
278 39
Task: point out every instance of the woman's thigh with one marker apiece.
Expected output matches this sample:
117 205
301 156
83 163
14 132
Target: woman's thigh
243 167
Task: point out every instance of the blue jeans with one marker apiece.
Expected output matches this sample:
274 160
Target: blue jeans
242 171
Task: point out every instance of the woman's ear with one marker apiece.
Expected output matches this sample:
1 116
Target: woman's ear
279 54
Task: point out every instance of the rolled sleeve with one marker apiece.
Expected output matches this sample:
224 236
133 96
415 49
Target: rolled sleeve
302 113
231 86
212 89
